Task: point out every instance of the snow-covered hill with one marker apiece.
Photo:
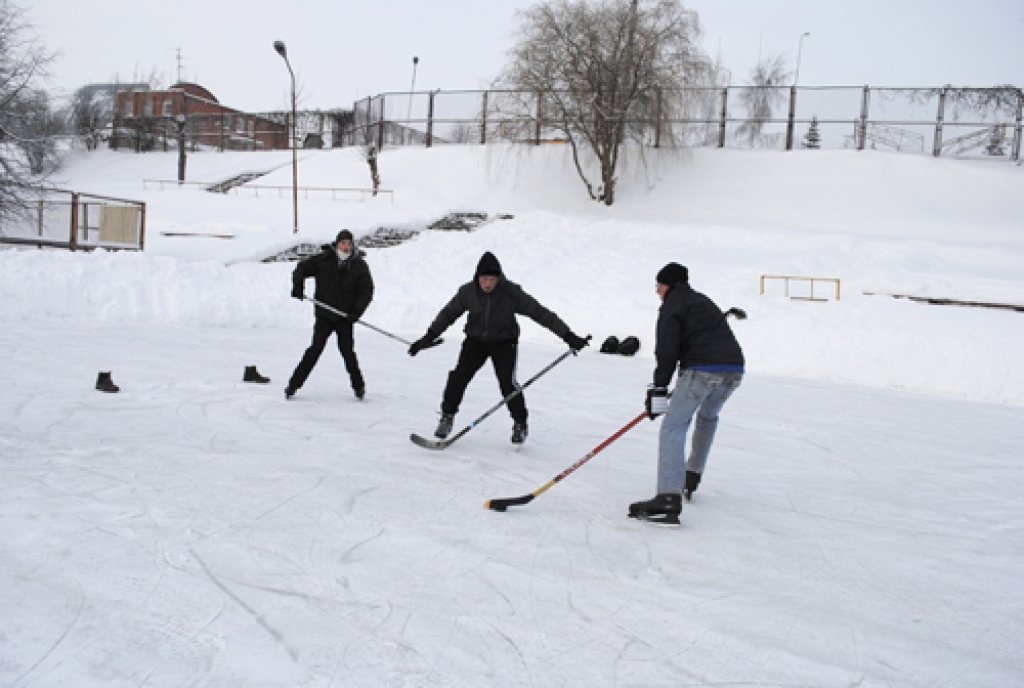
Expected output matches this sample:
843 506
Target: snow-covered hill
882 224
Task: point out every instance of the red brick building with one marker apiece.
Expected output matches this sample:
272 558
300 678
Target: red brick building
145 120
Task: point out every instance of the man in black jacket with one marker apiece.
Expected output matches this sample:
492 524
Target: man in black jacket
694 336
343 280
491 332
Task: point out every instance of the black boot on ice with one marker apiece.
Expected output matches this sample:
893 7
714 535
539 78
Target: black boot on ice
663 510
105 384
692 481
519 433
253 375
444 426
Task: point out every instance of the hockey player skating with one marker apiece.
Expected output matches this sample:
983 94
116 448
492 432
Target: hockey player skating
692 334
343 281
492 303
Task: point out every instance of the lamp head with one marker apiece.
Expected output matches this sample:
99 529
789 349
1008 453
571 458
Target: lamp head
281 50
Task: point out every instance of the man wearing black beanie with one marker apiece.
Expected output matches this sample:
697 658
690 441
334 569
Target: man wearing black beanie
491 332
694 336
343 281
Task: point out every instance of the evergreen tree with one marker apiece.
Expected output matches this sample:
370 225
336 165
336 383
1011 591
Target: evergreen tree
812 139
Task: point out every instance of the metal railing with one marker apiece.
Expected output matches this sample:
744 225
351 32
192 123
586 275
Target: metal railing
59 218
812 280
281 191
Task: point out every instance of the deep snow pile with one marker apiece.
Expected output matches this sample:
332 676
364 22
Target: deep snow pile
883 224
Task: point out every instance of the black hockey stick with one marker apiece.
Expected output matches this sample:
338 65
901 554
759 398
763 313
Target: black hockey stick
445 443
366 324
504 504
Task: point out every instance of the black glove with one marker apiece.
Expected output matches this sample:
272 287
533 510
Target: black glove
575 342
657 401
423 342
298 292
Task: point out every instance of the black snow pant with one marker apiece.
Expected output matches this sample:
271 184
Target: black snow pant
322 330
472 357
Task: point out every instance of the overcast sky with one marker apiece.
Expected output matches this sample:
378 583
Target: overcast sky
343 50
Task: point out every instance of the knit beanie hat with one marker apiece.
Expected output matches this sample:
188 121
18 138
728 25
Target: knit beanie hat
672 274
488 265
342 236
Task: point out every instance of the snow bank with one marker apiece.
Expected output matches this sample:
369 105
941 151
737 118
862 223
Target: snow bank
867 219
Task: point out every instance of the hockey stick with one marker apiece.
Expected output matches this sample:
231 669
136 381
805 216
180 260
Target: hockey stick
445 443
504 504
366 324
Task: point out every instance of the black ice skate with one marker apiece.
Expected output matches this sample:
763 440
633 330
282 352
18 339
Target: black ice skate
519 433
444 426
360 393
692 481
290 391
663 510
104 383
253 375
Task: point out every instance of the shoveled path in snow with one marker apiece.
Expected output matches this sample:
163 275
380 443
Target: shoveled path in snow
195 530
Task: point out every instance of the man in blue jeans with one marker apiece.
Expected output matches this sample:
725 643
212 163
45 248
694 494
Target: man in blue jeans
692 334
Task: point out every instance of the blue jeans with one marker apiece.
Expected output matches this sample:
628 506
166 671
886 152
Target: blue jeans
697 392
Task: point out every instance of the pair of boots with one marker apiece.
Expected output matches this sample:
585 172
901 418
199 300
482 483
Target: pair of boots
444 428
665 508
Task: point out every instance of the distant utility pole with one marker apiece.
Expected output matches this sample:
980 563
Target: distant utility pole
178 51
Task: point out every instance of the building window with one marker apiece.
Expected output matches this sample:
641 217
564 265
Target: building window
129 110
147 106
240 125
252 127
167 108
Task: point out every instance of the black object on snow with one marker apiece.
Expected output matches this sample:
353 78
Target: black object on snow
253 375
104 383
629 346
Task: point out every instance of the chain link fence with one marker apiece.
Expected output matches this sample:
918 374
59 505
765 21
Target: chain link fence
946 121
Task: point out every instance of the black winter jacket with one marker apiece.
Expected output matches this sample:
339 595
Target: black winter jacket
492 317
348 286
692 331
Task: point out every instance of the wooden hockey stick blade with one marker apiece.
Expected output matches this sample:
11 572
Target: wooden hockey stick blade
504 504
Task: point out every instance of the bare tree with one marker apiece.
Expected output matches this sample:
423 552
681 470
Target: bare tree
766 92
27 121
595 71
88 114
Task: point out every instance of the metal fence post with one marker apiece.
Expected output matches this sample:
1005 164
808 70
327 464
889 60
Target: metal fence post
792 114
380 130
483 121
540 114
725 113
73 239
862 133
939 116
430 119
1017 128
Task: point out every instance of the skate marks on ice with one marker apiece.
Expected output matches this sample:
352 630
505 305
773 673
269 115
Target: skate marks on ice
831 518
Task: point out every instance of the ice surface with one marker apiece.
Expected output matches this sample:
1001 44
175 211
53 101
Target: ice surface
860 522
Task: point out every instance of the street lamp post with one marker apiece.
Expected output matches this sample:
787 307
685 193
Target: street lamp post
283 52
799 54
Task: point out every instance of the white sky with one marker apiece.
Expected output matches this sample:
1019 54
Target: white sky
343 51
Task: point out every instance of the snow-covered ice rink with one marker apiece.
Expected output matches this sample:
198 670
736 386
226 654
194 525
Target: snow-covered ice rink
860 523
